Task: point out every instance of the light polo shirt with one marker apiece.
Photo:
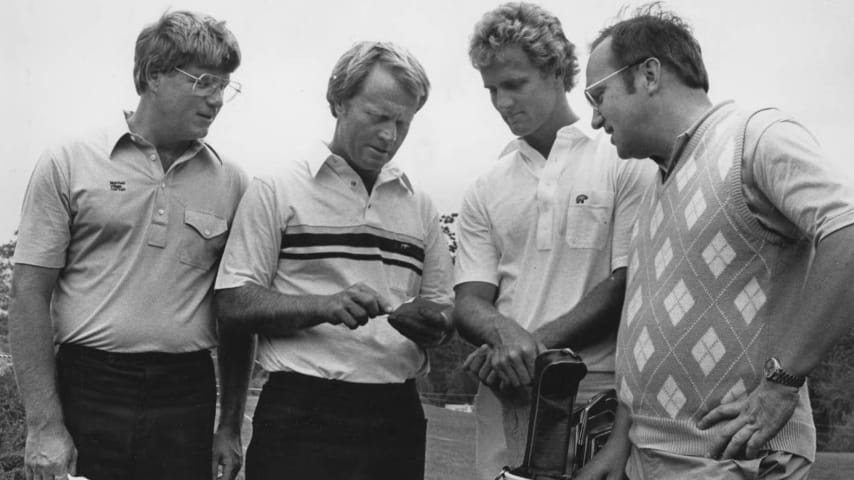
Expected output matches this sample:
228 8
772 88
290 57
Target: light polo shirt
546 231
136 247
315 230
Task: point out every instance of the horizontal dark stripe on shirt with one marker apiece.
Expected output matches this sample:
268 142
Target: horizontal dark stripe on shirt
361 240
350 256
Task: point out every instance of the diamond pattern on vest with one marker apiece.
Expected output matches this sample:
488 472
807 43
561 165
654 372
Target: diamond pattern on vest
708 351
671 397
736 392
678 302
686 173
750 300
643 349
718 254
663 257
695 208
634 305
657 218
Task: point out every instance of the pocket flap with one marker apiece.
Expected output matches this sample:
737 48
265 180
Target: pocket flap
208 225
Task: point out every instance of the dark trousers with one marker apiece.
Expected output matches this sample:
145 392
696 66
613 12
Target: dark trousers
307 427
138 416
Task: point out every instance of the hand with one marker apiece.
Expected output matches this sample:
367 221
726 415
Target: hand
746 425
422 321
479 364
227 454
608 464
353 306
49 453
513 359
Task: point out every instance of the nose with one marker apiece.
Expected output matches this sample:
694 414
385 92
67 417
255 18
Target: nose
388 132
502 101
215 99
598 120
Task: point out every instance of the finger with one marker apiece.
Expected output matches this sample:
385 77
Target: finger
369 300
520 364
357 312
475 358
723 412
738 442
503 364
485 372
727 431
343 317
756 442
491 379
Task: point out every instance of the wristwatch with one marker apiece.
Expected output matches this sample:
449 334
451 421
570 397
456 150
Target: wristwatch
774 373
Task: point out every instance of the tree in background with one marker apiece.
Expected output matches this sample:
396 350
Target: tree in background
12 433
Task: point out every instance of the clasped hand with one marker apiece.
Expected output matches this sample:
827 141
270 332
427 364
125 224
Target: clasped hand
422 321
508 364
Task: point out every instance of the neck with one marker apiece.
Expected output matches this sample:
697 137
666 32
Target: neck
143 123
677 115
543 138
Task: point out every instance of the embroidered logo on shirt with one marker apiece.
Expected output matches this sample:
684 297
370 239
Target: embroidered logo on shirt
118 185
581 198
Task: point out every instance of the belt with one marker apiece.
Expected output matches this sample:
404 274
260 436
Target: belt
141 358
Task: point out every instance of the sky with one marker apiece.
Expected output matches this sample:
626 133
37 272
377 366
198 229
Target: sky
67 69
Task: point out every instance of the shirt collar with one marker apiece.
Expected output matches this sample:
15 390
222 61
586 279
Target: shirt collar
321 155
579 129
683 138
118 131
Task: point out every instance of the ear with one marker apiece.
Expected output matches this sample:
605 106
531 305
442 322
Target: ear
152 80
651 71
339 109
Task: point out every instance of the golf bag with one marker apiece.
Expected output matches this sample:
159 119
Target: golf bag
560 435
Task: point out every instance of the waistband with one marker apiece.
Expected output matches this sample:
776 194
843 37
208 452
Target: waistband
341 388
138 359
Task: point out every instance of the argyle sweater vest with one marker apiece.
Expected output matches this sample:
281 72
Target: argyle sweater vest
709 290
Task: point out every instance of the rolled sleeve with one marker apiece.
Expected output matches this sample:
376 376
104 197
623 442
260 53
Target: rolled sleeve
44 232
252 253
798 179
477 255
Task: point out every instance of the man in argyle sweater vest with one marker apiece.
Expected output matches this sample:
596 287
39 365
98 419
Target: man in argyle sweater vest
739 268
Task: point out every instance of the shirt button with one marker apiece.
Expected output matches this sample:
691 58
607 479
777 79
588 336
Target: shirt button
207 232
163 185
161 211
352 183
152 157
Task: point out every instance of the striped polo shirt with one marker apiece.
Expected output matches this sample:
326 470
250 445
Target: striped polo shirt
314 229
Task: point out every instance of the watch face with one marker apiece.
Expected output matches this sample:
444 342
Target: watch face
771 366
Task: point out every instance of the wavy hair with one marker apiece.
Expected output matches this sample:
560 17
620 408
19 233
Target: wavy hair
355 64
183 38
656 32
537 32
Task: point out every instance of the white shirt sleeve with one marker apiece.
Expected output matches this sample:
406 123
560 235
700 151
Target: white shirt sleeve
251 255
634 178
477 255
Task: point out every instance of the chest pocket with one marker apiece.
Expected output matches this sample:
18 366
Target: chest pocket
589 215
203 239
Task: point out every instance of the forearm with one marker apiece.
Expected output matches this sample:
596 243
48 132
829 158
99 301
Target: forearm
255 309
31 341
594 317
823 314
478 321
235 357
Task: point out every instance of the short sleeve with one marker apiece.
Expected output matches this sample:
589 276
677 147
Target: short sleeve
633 180
251 255
477 255
45 229
436 277
804 188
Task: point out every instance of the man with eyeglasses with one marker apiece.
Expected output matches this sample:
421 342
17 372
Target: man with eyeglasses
542 236
121 231
740 267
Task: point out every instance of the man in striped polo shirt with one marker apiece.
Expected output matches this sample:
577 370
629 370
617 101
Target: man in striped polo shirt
740 267
340 268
